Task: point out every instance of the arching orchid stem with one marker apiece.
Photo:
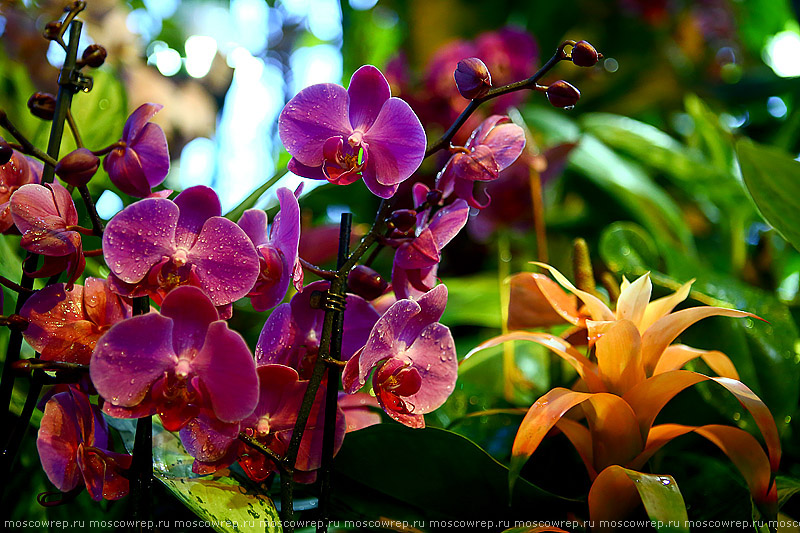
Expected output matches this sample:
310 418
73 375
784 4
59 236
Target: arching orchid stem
97 224
73 10
530 83
267 452
73 127
24 146
108 149
26 365
141 481
14 322
5 282
317 271
334 363
334 375
81 230
93 253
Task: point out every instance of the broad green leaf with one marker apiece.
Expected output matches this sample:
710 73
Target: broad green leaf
615 492
236 213
773 180
787 487
631 186
437 471
709 136
218 498
473 301
624 245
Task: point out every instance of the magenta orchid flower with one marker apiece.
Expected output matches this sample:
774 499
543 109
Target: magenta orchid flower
142 160
413 358
341 135
492 147
416 259
291 334
360 410
65 325
277 250
271 423
20 170
44 214
186 361
155 245
74 449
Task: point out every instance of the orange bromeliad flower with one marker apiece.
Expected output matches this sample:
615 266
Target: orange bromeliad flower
635 373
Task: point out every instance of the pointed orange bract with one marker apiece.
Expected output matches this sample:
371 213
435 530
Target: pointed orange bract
537 301
619 357
677 355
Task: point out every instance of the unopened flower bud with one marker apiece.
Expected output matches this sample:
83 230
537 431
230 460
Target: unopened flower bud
433 197
52 29
403 219
5 152
366 282
584 54
42 105
562 94
472 78
94 55
78 167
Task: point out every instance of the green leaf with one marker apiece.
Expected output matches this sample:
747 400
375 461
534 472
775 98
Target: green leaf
624 245
773 180
787 487
434 471
473 301
236 213
631 186
709 136
662 500
220 498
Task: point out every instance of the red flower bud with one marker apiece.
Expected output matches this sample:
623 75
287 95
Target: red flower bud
473 79
433 197
51 30
42 105
562 94
403 220
94 55
5 152
584 54
78 167
366 283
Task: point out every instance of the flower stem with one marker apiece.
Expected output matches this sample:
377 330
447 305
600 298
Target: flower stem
25 146
530 83
97 224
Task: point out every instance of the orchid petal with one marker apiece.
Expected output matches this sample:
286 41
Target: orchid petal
138 119
448 221
153 153
125 170
227 371
208 439
144 230
192 313
254 223
368 91
57 442
197 204
125 363
314 115
433 355
396 143
506 142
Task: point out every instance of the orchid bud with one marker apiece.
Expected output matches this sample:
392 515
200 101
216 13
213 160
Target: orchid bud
366 282
42 105
5 152
51 30
78 167
94 55
403 220
584 54
562 94
473 79
433 197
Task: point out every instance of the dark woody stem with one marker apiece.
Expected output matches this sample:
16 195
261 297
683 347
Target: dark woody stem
97 224
25 146
142 463
530 83
317 271
269 453
4 281
73 127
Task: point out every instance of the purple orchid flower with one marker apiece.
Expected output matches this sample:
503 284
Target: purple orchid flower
341 135
360 410
271 423
416 259
492 147
44 214
414 358
277 250
74 449
291 334
65 325
155 245
187 360
20 170
142 162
